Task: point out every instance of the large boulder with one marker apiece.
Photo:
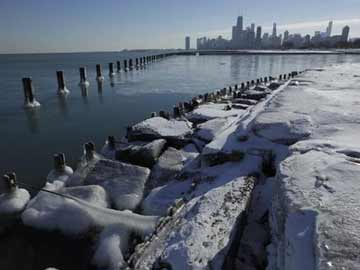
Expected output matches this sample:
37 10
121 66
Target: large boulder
211 111
142 155
173 131
123 182
171 162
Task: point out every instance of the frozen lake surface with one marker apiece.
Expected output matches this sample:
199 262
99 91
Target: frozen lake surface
28 140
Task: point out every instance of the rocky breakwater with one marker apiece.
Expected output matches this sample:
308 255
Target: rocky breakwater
188 192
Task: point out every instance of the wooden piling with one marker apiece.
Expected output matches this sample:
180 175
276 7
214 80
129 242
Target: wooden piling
280 77
242 86
153 114
176 112
99 76
89 150
59 162
61 82
28 90
111 142
111 69
136 63
125 65
83 77
130 64
118 66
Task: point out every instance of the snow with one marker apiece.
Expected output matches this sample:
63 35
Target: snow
123 182
60 175
111 246
210 129
171 162
30 105
158 127
211 111
14 202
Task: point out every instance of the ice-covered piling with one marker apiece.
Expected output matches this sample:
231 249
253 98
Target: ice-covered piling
61 171
30 100
61 82
89 150
83 77
130 64
111 70
118 66
99 76
111 142
153 114
10 182
137 63
125 65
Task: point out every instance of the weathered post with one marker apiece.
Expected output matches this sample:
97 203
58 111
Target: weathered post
83 78
118 66
137 63
242 86
130 64
125 65
99 76
236 87
61 82
59 162
284 76
252 82
10 182
280 77
111 70
111 142
176 112
153 114
89 150
265 79
257 81
144 60
247 84
29 95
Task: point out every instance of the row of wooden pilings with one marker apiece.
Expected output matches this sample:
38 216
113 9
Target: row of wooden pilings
127 66
234 91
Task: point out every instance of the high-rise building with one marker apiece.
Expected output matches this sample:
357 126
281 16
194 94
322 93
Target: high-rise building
239 23
274 34
258 33
286 35
345 33
252 27
187 43
329 29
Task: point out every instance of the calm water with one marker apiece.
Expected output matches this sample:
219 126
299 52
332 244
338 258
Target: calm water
30 138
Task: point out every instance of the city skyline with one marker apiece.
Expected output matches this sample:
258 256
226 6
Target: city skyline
71 26
246 37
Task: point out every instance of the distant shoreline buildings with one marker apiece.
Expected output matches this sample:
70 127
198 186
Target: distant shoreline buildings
252 38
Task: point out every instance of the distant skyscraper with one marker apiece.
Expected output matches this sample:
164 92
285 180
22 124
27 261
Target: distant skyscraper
274 34
240 23
286 35
187 43
253 27
329 29
258 33
345 33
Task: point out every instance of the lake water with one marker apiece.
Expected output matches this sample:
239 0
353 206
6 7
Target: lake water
30 138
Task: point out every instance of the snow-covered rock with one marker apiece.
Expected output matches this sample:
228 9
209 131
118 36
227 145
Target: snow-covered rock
14 202
124 183
210 111
207 131
171 162
199 234
173 131
142 155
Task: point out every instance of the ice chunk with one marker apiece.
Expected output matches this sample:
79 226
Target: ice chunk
14 202
123 182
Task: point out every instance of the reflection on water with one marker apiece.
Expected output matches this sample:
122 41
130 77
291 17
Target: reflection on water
33 115
116 103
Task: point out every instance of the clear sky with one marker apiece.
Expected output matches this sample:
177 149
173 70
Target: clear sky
111 25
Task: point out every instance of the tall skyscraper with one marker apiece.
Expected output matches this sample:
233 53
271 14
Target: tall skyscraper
345 33
286 35
252 27
239 23
274 34
187 43
329 29
258 33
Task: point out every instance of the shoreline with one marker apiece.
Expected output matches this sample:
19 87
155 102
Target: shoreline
212 181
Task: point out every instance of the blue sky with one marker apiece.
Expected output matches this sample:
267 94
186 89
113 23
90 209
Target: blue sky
108 25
